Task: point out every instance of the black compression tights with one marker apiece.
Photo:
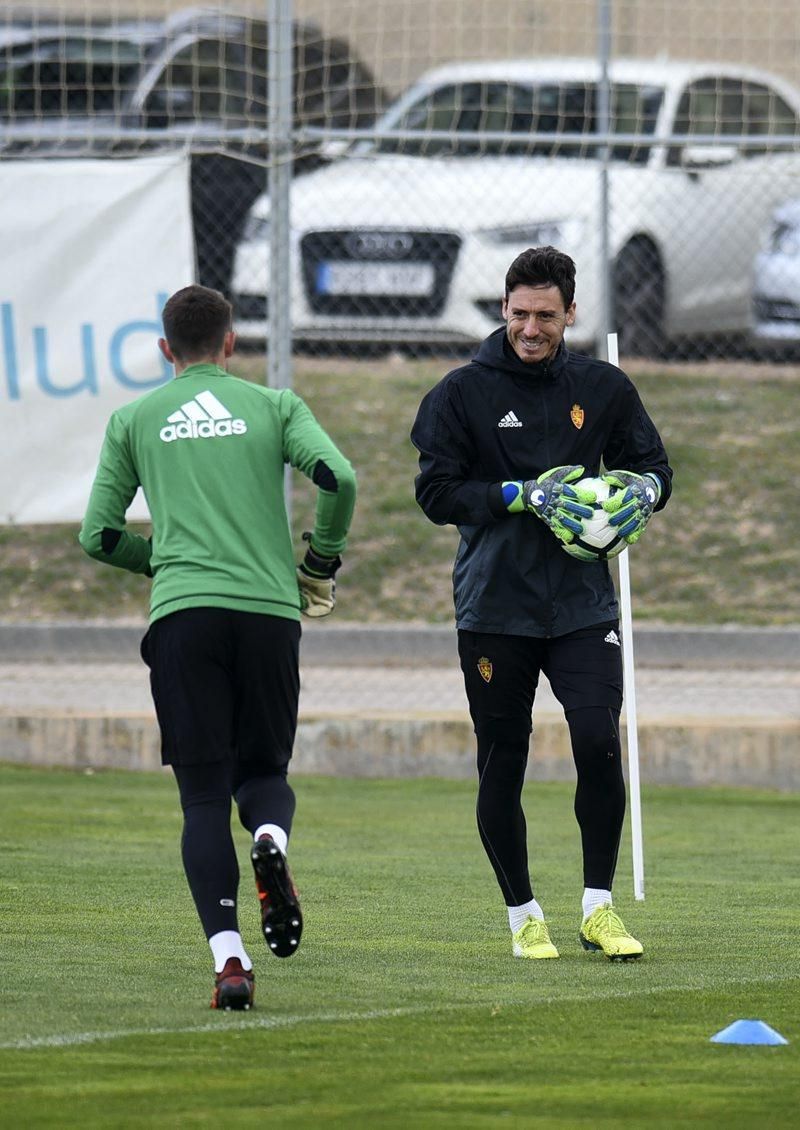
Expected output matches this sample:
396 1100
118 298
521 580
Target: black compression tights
501 821
600 792
207 848
599 801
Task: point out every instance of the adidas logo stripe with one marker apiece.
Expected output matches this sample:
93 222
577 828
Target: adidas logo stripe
203 417
204 405
510 420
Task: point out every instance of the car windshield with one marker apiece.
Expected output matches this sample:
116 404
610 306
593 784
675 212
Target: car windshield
517 110
68 75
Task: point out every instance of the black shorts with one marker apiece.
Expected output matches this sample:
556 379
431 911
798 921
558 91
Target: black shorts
501 673
225 686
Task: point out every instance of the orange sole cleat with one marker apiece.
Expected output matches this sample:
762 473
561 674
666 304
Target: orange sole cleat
234 987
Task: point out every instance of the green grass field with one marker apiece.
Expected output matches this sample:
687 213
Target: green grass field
724 551
403 1007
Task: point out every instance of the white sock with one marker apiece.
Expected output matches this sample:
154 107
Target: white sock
225 944
279 836
519 915
594 897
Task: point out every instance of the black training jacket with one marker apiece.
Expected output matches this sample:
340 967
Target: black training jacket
496 419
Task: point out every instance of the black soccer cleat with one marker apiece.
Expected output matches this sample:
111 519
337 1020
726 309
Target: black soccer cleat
281 919
234 987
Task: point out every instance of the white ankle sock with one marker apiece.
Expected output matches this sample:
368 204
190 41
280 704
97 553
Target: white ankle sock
594 897
519 915
279 836
225 944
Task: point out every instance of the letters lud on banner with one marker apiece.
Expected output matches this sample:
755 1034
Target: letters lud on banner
91 251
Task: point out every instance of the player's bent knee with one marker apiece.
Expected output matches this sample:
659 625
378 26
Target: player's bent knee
594 732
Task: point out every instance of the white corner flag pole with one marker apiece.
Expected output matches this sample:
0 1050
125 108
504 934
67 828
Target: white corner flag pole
630 697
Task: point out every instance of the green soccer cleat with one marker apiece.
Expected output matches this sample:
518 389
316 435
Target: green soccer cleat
533 940
604 930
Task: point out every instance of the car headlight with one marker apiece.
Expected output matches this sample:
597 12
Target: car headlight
256 229
555 233
784 238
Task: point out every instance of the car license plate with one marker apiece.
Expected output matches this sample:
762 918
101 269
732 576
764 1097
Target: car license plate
343 277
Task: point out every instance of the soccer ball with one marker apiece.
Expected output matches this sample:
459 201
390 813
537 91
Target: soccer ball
599 541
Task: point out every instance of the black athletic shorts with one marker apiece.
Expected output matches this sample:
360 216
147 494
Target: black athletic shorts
225 686
501 673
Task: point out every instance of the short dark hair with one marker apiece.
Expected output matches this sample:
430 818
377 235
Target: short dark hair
543 266
196 320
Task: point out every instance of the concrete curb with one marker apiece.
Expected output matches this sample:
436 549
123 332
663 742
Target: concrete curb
400 645
682 747
682 752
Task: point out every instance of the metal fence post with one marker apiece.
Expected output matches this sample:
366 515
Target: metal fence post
279 124
604 15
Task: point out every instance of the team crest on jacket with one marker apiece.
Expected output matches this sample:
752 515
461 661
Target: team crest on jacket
576 415
485 669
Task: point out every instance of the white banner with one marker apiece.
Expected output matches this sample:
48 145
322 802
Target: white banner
91 250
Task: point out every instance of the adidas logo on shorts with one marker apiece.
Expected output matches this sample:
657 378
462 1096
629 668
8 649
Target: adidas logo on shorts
612 637
201 418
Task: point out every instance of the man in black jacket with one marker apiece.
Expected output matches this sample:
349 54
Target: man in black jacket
501 442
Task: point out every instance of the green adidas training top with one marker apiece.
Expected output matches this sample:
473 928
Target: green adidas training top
209 451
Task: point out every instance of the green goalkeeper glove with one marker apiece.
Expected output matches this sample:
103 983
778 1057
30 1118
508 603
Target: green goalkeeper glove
551 498
315 580
631 507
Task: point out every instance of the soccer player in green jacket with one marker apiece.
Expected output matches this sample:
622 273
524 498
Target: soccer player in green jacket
209 451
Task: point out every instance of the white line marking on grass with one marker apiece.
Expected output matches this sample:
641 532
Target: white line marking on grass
69 1040
253 1023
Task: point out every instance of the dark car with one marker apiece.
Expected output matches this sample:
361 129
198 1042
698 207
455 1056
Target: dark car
198 79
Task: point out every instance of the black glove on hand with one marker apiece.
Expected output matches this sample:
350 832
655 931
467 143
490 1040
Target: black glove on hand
559 505
315 580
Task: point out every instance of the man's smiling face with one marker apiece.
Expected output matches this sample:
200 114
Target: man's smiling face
535 321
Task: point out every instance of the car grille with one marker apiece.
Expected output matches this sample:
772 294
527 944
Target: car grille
250 307
425 259
776 310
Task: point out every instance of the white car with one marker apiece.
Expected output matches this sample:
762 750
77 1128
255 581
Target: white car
407 237
776 290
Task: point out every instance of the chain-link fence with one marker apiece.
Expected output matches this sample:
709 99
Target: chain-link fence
428 143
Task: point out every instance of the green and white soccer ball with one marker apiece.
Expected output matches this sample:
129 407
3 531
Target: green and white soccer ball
599 541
